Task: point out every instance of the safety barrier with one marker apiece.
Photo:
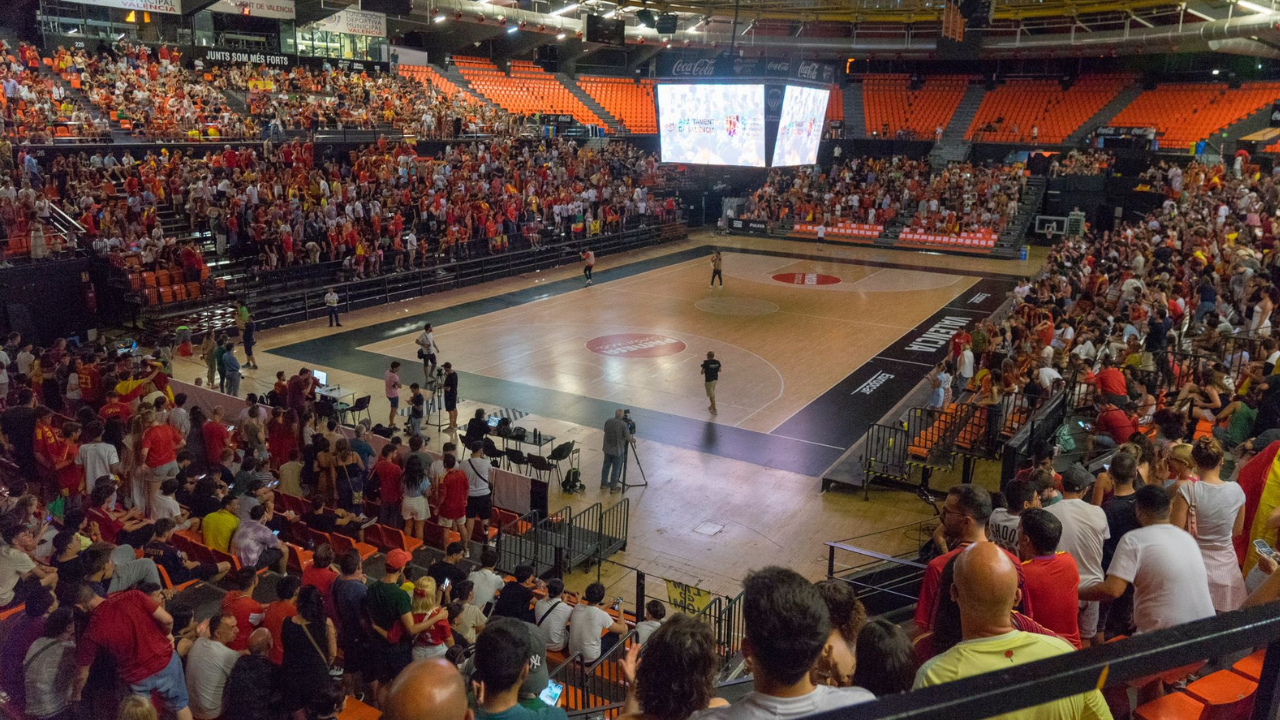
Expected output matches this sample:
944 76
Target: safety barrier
982 240
600 683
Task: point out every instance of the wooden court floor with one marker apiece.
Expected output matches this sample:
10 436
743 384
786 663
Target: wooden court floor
705 518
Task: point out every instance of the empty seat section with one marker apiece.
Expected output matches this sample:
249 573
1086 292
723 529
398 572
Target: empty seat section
527 90
629 101
1185 113
891 106
1012 110
835 104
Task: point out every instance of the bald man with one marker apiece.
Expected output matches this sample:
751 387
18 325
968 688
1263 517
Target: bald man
986 589
428 690
250 681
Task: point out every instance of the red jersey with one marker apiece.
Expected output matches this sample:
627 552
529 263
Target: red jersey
389 474
124 626
161 443
929 587
454 486
277 614
249 614
1054 583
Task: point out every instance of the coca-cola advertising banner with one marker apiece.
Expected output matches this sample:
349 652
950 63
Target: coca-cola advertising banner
723 66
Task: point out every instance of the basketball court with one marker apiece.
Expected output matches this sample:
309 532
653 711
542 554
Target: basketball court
816 344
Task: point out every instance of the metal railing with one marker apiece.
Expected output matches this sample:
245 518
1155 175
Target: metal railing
600 683
885 577
1107 665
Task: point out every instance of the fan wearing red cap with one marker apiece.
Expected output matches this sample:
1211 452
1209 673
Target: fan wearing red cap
391 611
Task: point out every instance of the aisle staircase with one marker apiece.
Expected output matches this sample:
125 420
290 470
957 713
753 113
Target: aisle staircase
1014 234
1104 116
953 147
453 75
855 115
615 126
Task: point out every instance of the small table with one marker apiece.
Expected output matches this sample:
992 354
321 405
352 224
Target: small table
336 393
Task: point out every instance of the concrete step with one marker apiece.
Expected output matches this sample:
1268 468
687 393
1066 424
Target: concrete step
1103 116
615 126
955 130
453 75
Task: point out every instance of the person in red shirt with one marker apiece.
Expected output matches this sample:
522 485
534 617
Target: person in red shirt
63 454
249 613
114 408
964 522
321 574
1052 578
1111 381
1112 426
90 382
216 438
134 631
160 446
452 493
285 607
958 341
388 475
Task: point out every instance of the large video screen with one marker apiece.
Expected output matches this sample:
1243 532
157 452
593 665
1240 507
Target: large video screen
804 111
712 124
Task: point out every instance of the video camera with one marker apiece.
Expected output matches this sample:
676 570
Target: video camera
631 424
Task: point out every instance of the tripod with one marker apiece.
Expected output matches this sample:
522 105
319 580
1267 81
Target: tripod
626 460
435 404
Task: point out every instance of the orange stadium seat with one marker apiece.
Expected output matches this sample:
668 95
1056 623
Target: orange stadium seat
427 75
1021 104
628 101
527 90
890 105
1185 113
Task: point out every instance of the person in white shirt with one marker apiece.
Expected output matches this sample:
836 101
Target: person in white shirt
787 627
588 624
1002 526
1170 584
487 582
209 664
99 459
964 367
1046 376
654 612
331 302
479 492
551 615
427 350
1084 530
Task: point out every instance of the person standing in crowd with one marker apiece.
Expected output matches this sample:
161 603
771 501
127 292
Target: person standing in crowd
710 375
430 690
1084 531
1052 577
209 664
616 436
1212 510
986 588
501 666
479 495
391 379
1002 526
249 688
134 631
331 304
231 370
49 669
390 614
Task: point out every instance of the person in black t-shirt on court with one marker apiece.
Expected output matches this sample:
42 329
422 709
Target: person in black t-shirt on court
711 373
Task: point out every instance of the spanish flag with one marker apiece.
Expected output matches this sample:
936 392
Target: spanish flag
1260 480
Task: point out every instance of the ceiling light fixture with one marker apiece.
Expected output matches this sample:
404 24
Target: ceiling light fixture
567 8
439 19
560 36
512 29
1253 6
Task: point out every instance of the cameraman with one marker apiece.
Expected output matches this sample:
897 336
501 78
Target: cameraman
617 433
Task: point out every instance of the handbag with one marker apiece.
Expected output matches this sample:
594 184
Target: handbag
1193 523
334 672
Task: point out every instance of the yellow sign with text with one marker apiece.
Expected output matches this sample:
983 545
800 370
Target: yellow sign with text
687 597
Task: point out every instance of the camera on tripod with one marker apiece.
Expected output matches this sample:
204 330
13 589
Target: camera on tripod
631 424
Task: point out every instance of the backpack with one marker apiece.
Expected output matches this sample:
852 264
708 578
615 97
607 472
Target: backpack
572 481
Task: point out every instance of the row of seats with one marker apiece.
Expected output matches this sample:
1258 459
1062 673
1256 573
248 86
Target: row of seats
1021 104
889 103
629 101
982 240
840 233
1185 113
527 90
835 104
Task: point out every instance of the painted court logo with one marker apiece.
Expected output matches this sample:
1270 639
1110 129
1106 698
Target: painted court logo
806 279
635 345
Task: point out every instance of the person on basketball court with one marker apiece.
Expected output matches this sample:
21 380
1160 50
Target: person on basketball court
588 262
451 395
716 269
427 350
710 374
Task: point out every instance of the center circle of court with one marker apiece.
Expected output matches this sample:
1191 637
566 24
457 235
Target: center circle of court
796 278
736 306
636 345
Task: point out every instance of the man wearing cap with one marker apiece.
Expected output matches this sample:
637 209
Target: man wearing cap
391 613
1084 529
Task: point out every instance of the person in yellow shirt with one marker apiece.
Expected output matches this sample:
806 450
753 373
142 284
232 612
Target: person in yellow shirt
986 588
220 525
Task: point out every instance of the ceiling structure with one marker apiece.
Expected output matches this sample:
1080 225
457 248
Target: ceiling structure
837 29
